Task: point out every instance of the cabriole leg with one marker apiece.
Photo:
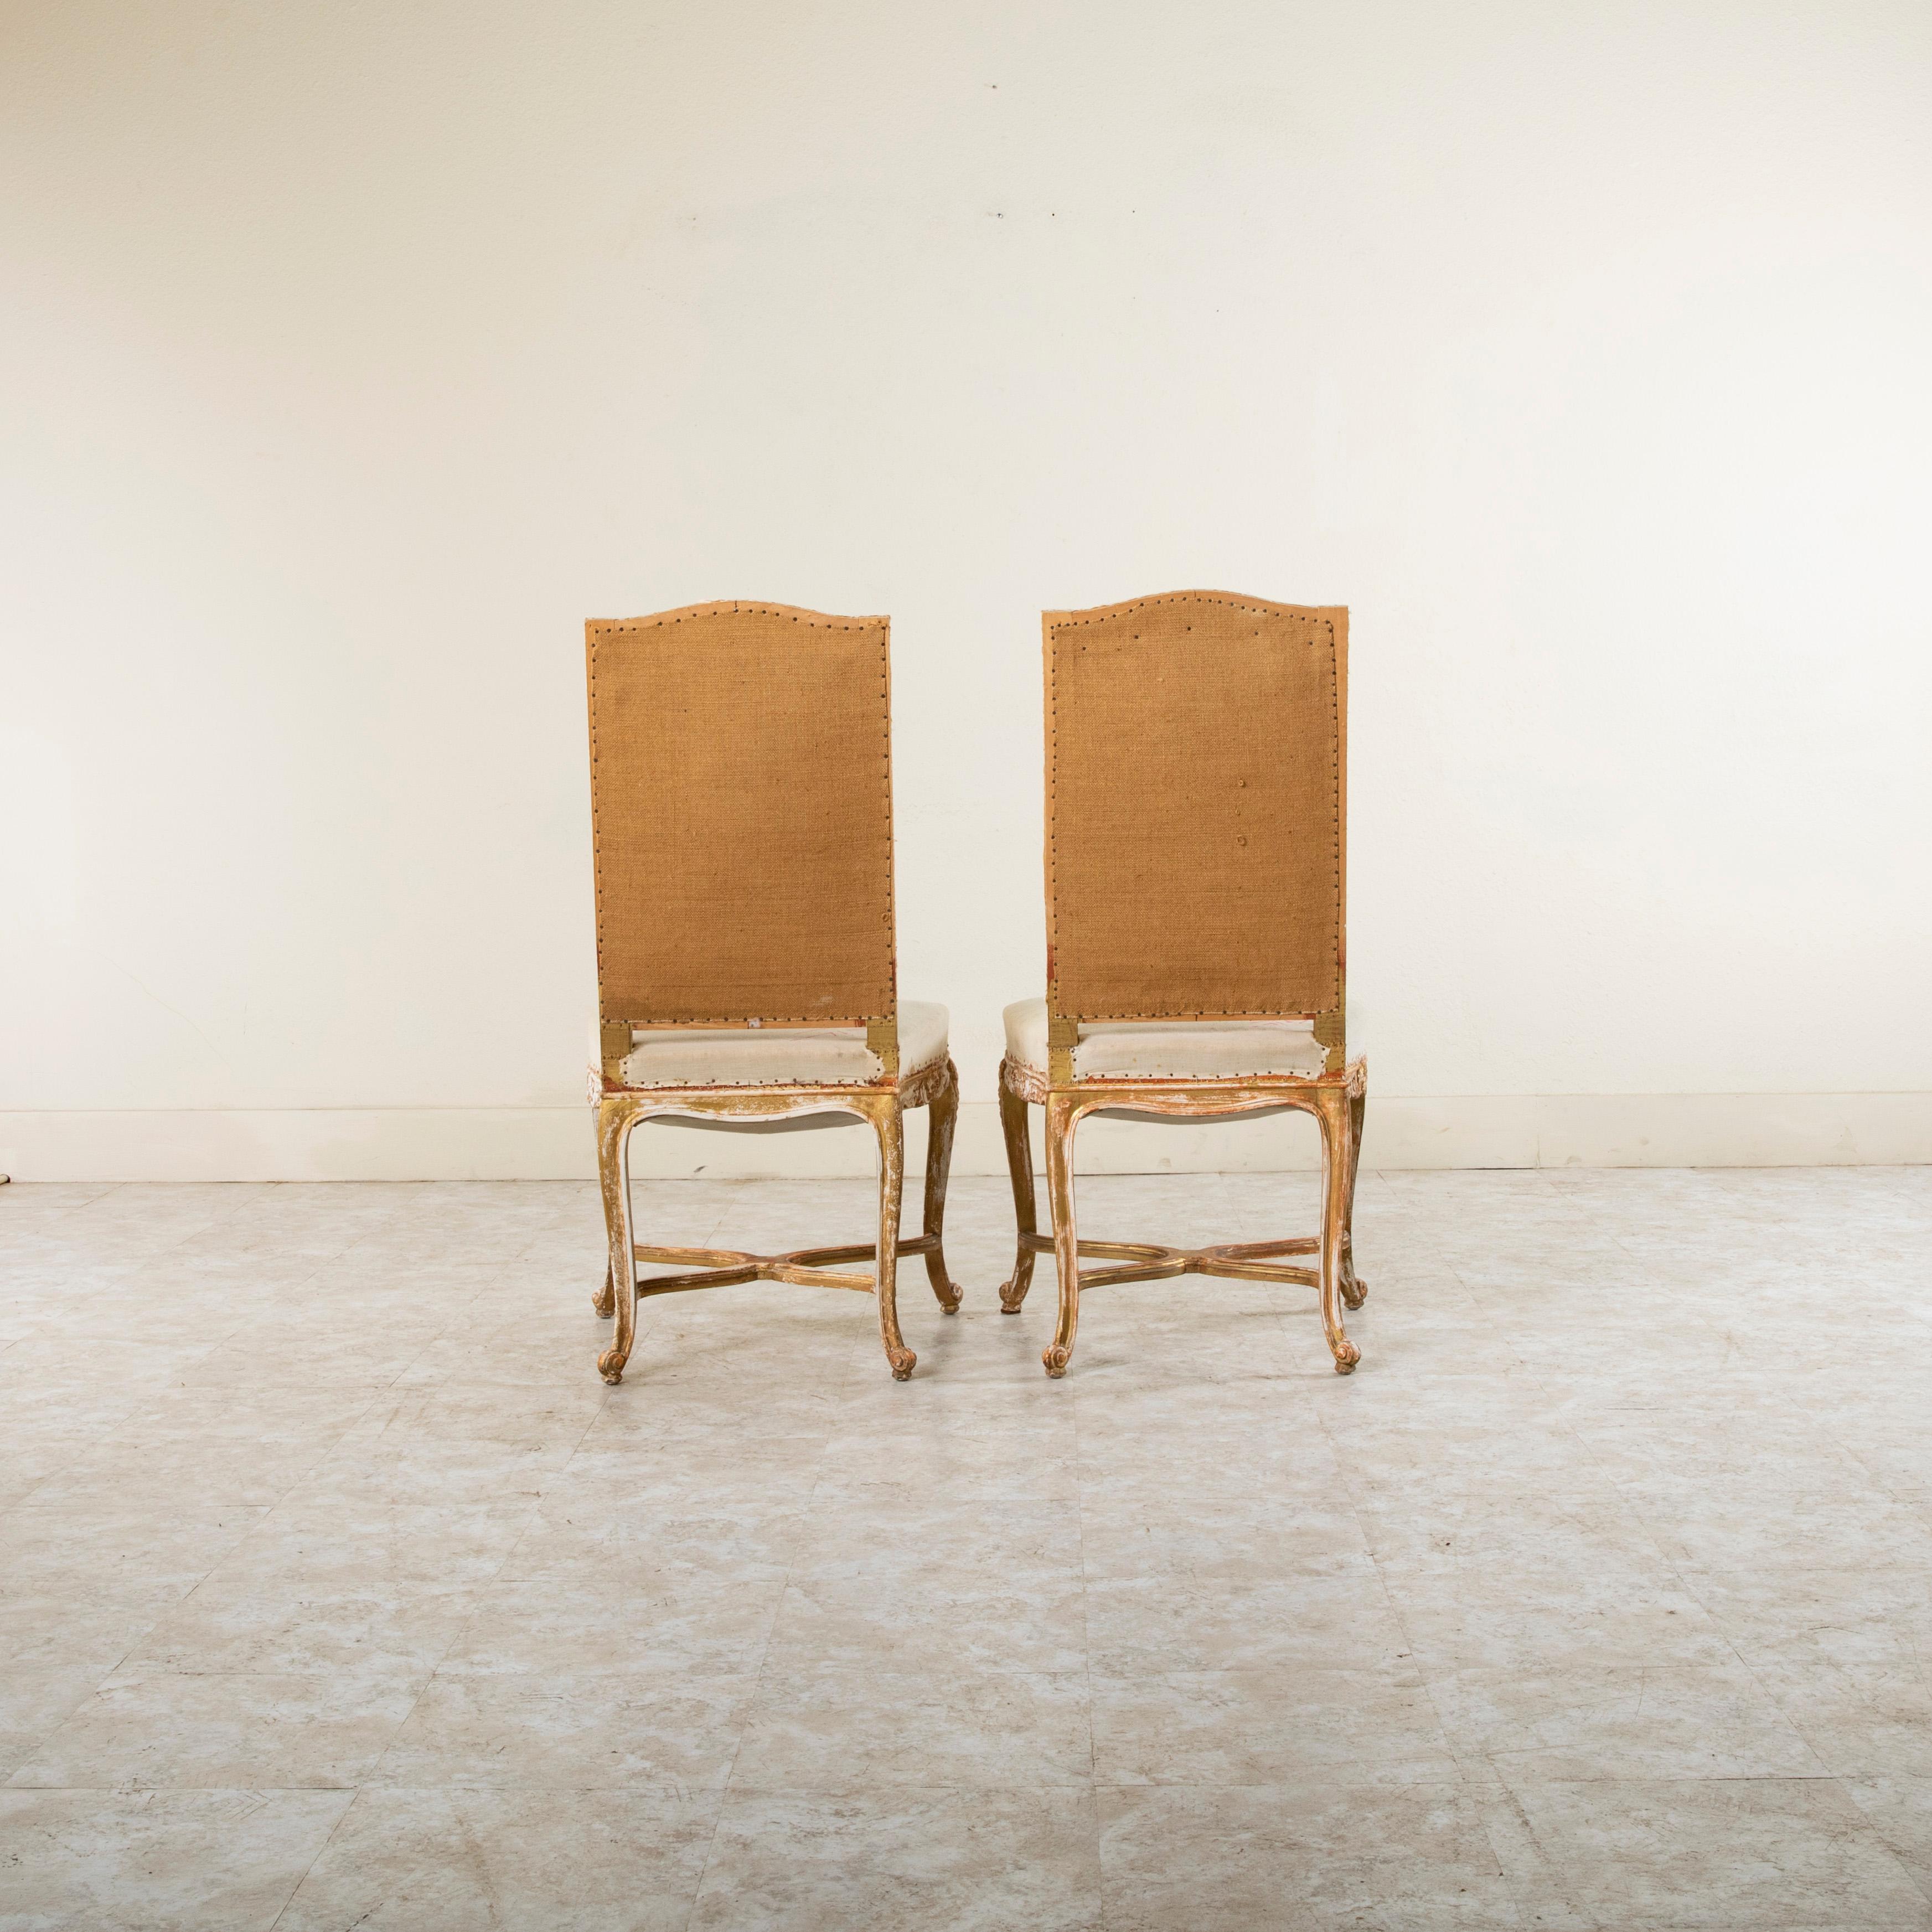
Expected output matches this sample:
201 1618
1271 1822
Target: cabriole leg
1332 1108
1354 1290
1019 1165
604 1301
890 1123
941 1121
616 1119
1061 1118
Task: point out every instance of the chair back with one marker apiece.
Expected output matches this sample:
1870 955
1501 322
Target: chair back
742 815
1196 802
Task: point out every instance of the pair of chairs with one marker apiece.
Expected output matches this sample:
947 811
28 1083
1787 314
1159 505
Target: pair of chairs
1196 789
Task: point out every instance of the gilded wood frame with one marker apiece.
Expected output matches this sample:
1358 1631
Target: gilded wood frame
1338 1101
1337 1096
884 1105
864 991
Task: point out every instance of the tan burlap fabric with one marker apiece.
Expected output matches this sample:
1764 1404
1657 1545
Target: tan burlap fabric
741 798
1195 796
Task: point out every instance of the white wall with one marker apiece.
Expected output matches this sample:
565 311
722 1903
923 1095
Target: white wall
351 356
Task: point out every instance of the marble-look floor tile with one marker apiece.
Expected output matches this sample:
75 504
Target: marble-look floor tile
160 1729
1497 1617
736 1512
904 1859
410 1552
833 1730
625 1619
630 1474
79 1585
73 1369
36 1699
1860 1719
405 1858
584 1730
1003 1449
1596 1598
237 1624
946 1616
44 1439
1452 1525
1141 1626
1707 1720
212 1860
1407 1859
1731 1853
1779 1614
52 1629
248 1455
1819 1519
1227 1545
850 1541
1900 1809
1277 1726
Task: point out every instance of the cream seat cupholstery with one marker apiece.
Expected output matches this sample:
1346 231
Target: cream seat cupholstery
757 1056
1156 1050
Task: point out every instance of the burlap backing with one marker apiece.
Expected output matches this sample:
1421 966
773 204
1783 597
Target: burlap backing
1196 796
741 799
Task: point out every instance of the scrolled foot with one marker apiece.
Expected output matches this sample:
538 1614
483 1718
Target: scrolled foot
1354 1290
903 1361
604 1301
1013 1289
1056 1360
610 1367
1346 1356
951 1307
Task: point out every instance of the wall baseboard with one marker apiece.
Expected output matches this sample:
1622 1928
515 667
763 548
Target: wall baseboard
554 1143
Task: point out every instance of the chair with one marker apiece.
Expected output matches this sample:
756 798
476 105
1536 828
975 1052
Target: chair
1196 794
741 808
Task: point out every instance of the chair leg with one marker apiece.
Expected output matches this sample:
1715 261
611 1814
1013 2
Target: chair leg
615 1121
1061 1120
890 1122
943 1117
604 1301
1019 1165
1354 1290
1332 1111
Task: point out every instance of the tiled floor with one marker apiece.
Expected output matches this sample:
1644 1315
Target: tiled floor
337 1591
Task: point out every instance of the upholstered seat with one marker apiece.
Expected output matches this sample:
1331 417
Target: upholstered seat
777 1056
1169 1049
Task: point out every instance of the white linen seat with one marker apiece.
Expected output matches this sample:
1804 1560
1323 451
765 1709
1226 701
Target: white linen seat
777 1056
1169 1049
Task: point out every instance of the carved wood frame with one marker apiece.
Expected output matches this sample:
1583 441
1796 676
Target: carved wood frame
1339 1103
882 1105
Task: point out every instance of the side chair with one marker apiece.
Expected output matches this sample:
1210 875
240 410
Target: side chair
1196 812
742 816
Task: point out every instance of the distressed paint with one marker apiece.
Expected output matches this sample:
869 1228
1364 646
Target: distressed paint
1338 1100
621 1110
